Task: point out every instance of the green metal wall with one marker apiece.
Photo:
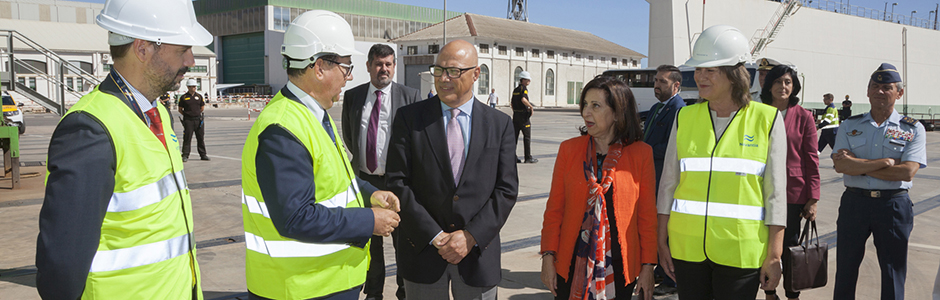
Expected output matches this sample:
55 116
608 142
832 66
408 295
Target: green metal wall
243 58
360 7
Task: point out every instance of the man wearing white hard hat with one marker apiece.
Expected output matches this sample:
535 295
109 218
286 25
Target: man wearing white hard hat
306 227
521 112
191 107
116 221
722 197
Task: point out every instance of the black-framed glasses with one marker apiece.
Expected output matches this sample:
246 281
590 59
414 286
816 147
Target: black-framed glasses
452 73
348 67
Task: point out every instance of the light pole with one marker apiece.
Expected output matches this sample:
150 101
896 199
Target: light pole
911 19
892 11
884 13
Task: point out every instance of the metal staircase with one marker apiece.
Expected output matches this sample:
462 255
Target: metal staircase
763 37
9 63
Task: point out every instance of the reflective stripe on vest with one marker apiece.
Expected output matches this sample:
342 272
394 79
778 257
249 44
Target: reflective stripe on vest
722 164
148 194
120 259
290 248
715 209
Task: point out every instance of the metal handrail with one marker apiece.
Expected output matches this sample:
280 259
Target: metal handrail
46 76
870 13
49 53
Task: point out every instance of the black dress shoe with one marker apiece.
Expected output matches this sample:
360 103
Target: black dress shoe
531 160
518 160
204 158
185 159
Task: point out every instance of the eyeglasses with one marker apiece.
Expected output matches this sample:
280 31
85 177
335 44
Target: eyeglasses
452 73
348 67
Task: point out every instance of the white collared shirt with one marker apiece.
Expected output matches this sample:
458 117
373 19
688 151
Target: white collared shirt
141 100
308 101
382 135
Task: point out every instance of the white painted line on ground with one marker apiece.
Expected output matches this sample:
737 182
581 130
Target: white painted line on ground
931 247
225 157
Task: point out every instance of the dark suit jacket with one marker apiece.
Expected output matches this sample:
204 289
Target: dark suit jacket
419 172
660 128
353 101
802 158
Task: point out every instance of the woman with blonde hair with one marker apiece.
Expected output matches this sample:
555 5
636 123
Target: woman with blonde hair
722 196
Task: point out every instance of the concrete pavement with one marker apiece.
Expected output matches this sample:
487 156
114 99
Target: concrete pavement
216 194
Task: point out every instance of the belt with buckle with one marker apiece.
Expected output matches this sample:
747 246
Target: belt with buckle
876 193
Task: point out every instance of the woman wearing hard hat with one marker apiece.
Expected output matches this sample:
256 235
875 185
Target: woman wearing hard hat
722 198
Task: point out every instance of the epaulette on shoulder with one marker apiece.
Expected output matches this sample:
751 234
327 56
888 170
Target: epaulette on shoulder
909 121
855 116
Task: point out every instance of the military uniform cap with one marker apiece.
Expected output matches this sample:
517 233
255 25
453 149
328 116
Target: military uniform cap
766 64
886 73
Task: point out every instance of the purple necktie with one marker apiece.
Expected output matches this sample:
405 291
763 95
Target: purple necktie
372 158
455 144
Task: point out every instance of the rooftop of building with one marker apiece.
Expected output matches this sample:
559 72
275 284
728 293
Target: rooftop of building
69 37
357 7
500 29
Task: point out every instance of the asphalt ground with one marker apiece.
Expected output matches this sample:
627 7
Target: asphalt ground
216 192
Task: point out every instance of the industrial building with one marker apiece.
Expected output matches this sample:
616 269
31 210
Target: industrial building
46 34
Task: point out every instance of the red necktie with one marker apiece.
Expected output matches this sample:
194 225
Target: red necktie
156 125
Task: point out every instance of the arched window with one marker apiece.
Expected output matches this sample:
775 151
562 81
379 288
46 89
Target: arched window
33 64
515 78
484 80
550 83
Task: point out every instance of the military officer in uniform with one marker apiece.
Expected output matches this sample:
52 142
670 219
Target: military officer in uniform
191 107
878 153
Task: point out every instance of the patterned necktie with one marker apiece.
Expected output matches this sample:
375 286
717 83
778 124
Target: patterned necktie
455 144
372 157
652 121
156 125
328 127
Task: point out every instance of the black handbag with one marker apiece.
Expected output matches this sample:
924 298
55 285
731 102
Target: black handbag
806 264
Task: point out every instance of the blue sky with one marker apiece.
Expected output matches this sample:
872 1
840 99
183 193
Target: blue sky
625 22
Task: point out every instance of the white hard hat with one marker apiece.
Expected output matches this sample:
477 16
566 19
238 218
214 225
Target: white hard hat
191 82
719 45
164 21
525 75
316 33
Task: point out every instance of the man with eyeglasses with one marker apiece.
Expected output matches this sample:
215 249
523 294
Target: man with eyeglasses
451 161
521 113
306 228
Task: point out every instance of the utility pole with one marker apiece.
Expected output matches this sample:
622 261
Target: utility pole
892 11
936 11
445 25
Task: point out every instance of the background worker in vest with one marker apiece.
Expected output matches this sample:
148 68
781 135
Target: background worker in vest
733 154
829 125
368 111
656 133
878 153
306 227
191 107
104 233
521 113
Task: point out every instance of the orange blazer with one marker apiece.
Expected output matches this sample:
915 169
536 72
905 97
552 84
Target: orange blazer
634 205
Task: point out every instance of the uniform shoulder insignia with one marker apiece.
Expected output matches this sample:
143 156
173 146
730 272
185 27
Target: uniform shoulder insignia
909 121
855 116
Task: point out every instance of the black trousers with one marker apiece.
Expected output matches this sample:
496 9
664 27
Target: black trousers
375 277
520 122
791 237
197 126
890 220
707 280
827 137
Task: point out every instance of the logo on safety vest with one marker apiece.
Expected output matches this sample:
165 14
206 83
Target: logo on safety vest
750 139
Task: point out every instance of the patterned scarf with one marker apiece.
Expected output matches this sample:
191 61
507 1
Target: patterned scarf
593 246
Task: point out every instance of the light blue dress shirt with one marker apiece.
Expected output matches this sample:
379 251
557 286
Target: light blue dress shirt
466 113
890 139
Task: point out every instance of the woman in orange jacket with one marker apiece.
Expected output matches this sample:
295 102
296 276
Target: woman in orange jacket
599 228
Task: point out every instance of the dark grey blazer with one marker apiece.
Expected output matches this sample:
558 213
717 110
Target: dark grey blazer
419 173
353 101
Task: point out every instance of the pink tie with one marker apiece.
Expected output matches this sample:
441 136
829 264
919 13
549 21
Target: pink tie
372 157
455 144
